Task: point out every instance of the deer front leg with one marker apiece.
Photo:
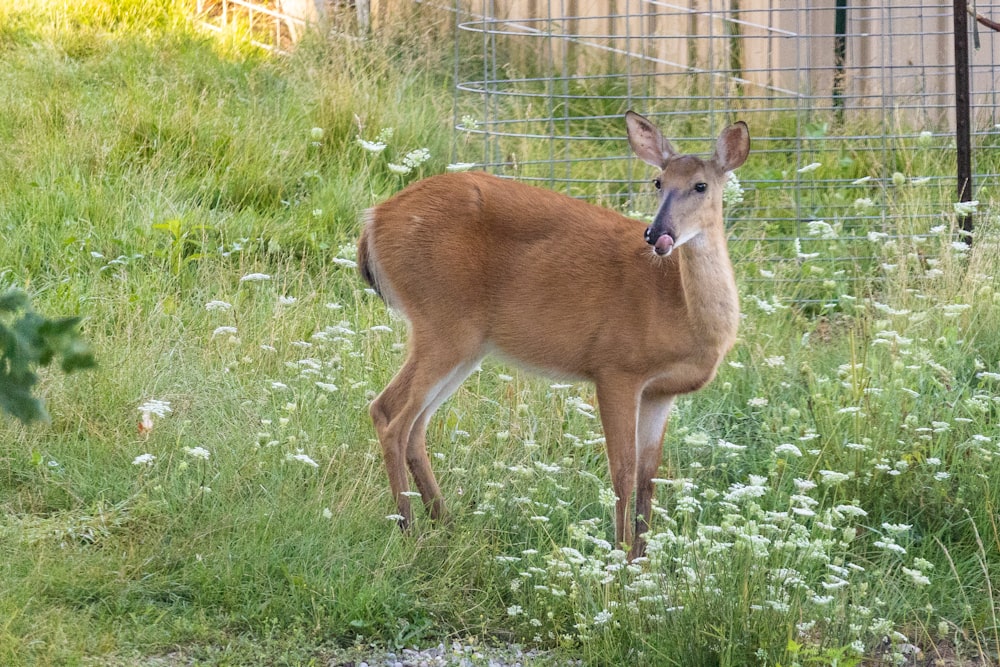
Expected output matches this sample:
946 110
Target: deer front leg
618 402
654 411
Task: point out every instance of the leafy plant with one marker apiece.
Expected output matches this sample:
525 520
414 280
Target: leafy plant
28 341
184 245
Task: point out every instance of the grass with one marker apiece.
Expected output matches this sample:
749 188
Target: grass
832 496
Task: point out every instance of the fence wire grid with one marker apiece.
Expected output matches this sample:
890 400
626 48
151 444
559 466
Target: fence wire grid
851 108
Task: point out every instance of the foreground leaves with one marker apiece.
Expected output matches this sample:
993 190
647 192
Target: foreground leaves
29 341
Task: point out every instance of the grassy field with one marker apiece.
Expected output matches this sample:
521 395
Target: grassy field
213 490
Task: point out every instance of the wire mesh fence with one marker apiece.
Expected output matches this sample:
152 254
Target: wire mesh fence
851 109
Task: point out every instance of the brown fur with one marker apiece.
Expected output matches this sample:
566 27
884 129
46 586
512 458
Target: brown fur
478 264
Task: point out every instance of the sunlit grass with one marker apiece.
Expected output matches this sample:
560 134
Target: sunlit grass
216 485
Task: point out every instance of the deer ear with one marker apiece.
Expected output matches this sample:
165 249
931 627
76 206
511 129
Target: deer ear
647 141
733 146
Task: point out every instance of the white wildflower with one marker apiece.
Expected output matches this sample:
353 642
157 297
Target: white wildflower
732 191
144 459
897 527
812 166
218 305
371 146
286 300
964 208
804 485
416 157
821 229
603 617
731 446
219 331
255 278
850 510
156 407
789 449
400 169
803 255
833 477
918 577
197 452
304 458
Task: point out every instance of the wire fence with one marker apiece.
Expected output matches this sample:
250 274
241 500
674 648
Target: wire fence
852 110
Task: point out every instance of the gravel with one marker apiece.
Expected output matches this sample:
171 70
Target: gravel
457 654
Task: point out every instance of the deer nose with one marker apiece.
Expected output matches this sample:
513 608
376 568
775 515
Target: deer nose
662 243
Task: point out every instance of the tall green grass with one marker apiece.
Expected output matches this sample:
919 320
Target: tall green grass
197 203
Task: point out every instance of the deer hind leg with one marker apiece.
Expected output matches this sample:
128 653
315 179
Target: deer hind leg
619 407
416 448
654 411
397 415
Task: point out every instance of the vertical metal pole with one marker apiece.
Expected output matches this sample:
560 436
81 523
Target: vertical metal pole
839 56
963 140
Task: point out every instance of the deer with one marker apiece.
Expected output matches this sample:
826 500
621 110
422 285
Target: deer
478 265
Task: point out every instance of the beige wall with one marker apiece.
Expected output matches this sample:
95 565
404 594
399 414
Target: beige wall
898 54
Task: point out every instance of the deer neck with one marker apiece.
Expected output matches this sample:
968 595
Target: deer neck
709 288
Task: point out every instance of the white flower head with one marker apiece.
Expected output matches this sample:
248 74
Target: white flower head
219 331
197 452
821 229
918 577
375 147
255 278
603 617
964 208
218 305
144 459
833 477
732 191
416 157
304 458
156 407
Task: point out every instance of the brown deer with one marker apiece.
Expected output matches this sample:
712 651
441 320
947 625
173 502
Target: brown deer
477 264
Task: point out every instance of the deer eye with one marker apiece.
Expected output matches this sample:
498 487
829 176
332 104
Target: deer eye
700 187
657 183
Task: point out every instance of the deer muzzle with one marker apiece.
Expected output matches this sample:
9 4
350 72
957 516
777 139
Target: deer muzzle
661 234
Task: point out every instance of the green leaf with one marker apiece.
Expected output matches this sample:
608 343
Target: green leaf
13 301
31 341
